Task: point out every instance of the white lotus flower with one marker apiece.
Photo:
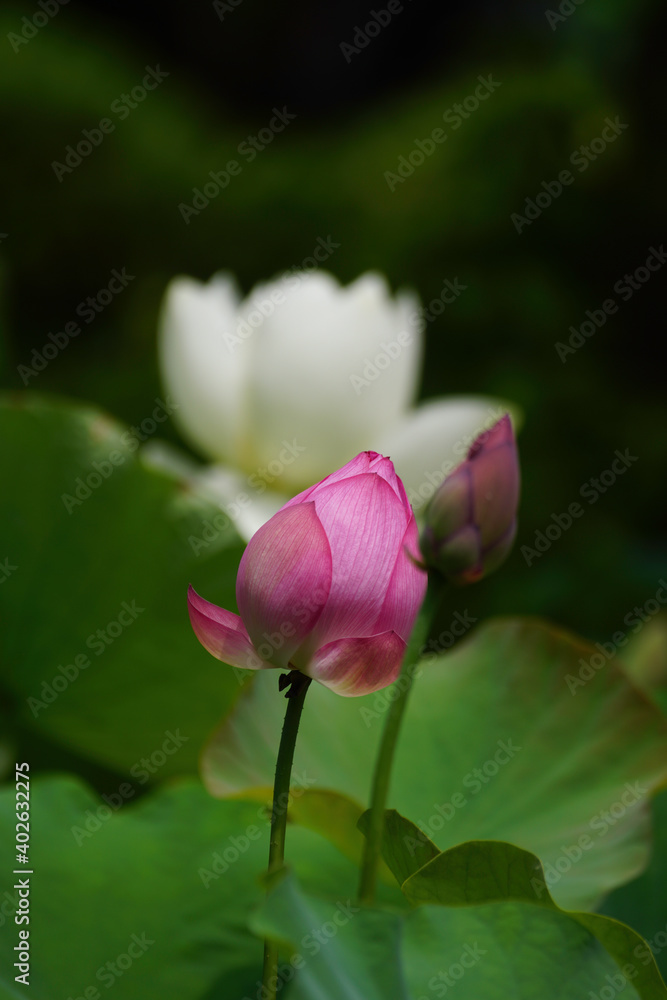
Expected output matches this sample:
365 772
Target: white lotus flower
284 386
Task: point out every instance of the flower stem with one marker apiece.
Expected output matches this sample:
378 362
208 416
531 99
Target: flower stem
385 758
297 684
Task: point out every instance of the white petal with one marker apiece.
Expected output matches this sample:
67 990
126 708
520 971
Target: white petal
312 339
165 457
203 362
434 438
230 489
247 509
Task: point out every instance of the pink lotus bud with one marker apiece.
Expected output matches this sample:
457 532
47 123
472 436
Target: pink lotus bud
471 521
329 585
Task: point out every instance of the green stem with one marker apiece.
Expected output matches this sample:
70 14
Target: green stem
298 685
385 758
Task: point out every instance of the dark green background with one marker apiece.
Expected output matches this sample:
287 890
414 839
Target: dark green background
324 176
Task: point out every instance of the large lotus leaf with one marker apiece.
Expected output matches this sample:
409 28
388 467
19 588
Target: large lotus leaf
96 650
498 743
643 902
645 658
494 937
169 881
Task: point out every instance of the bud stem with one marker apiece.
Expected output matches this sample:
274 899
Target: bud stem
385 758
297 685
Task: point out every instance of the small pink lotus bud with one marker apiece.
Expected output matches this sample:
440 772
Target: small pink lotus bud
471 521
330 585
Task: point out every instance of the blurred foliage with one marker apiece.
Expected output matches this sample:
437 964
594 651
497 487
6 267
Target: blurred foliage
99 561
483 892
172 881
472 763
324 175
